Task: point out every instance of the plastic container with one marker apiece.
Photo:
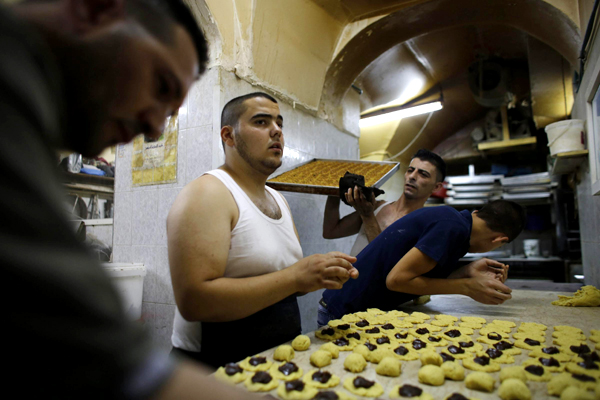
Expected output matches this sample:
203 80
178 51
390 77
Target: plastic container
128 279
565 136
531 247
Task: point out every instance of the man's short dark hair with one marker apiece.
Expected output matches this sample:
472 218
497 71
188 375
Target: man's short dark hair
504 216
155 15
234 108
430 156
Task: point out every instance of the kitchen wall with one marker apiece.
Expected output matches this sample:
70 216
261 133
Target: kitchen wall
140 212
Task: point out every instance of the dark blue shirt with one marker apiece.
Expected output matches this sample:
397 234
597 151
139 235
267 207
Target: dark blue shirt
442 233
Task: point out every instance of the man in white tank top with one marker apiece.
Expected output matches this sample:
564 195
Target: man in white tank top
235 257
425 175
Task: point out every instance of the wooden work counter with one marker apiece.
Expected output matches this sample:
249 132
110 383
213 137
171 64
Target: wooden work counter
525 306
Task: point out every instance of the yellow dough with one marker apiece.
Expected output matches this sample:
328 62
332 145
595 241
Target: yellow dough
405 352
509 324
522 345
340 395
445 317
389 366
544 377
514 389
279 371
492 338
481 381
560 382
355 363
330 379
432 375
453 371
379 354
363 351
331 348
395 393
431 358
472 365
301 343
256 363
290 391
477 320
268 385
466 346
576 368
236 377
532 325
284 352
431 327
575 393
498 356
567 328
515 372
538 361
470 325
320 358
495 328
351 318
442 323
375 311
531 335
399 337
587 296
375 390
507 347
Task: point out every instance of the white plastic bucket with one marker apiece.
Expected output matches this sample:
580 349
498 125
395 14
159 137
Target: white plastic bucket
531 247
565 136
128 279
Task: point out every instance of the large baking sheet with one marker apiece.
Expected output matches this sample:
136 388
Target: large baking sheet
327 190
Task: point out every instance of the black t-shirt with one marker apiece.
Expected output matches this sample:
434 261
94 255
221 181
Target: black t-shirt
66 334
442 233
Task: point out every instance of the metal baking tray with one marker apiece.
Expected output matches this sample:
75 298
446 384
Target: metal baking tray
327 190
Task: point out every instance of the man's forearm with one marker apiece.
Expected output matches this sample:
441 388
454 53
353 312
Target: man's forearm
331 218
371 226
421 285
229 299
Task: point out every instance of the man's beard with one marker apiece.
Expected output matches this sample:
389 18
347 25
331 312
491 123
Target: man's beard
267 167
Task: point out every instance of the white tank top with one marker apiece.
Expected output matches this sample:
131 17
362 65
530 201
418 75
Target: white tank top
259 245
361 240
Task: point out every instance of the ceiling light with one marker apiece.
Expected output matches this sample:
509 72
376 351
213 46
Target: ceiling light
398 115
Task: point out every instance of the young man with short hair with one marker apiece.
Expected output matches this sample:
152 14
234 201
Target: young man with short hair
418 255
425 175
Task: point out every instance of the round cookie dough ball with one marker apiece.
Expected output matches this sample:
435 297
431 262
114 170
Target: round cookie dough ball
362 350
285 352
379 354
320 358
301 343
355 363
331 348
389 366
575 393
480 381
431 375
515 372
514 389
453 371
431 358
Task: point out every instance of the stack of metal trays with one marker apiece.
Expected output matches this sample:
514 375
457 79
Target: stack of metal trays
321 176
473 190
529 187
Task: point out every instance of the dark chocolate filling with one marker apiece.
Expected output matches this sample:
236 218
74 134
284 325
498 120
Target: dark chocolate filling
466 344
453 333
388 326
401 351
550 350
418 344
483 360
262 377
232 369
584 378
422 331
549 362
254 361
580 349
343 327
328 332
457 396
354 335
535 370
321 376
370 346
373 330
591 356
493 353
434 339
409 391
455 350
588 364
288 368
494 336
532 342
383 339
341 342
328 395
401 335
360 382
294 385
503 345
362 323
447 357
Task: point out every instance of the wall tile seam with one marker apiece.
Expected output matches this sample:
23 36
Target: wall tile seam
163 304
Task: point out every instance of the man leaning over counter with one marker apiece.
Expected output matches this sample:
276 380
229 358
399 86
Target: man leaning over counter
83 75
235 257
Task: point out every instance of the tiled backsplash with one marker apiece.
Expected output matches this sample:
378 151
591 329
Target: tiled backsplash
140 212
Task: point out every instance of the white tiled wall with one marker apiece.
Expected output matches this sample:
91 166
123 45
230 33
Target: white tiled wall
140 213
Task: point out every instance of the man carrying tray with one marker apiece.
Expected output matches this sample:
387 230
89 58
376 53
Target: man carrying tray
235 257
